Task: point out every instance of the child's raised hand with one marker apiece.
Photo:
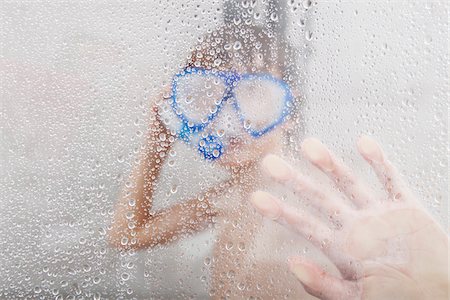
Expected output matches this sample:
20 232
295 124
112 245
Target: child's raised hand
388 248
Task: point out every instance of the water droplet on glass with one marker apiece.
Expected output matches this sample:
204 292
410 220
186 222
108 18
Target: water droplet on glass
229 245
241 246
189 99
307 4
207 261
125 276
274 17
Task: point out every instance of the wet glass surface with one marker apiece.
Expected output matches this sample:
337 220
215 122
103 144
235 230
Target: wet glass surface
79 84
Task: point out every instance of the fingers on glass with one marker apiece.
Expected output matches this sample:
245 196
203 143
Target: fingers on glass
320 283
266 204
386 172
281 171
303 223
277 168
342 176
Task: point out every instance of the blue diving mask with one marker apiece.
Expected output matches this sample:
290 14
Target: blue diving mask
213 105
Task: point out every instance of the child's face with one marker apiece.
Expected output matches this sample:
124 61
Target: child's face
257 100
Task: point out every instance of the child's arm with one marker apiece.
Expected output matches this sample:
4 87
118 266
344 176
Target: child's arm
134 225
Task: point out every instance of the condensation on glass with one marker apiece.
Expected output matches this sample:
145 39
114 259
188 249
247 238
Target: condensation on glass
79 82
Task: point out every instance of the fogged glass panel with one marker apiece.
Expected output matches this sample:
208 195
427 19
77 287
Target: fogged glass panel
133 136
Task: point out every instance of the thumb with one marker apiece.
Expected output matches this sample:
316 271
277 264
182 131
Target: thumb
321 284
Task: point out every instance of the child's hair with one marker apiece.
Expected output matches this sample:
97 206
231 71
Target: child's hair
248 47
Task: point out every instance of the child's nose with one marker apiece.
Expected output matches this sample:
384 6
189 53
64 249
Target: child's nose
227 123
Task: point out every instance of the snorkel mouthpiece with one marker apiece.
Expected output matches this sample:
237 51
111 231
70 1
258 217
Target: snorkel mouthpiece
211 147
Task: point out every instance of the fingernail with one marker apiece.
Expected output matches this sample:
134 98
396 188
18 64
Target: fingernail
318 154
370 149
300 270
277 167
266 204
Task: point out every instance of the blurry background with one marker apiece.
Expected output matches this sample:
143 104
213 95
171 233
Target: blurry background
77 82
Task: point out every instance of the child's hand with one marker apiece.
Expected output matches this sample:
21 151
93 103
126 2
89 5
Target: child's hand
388 248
